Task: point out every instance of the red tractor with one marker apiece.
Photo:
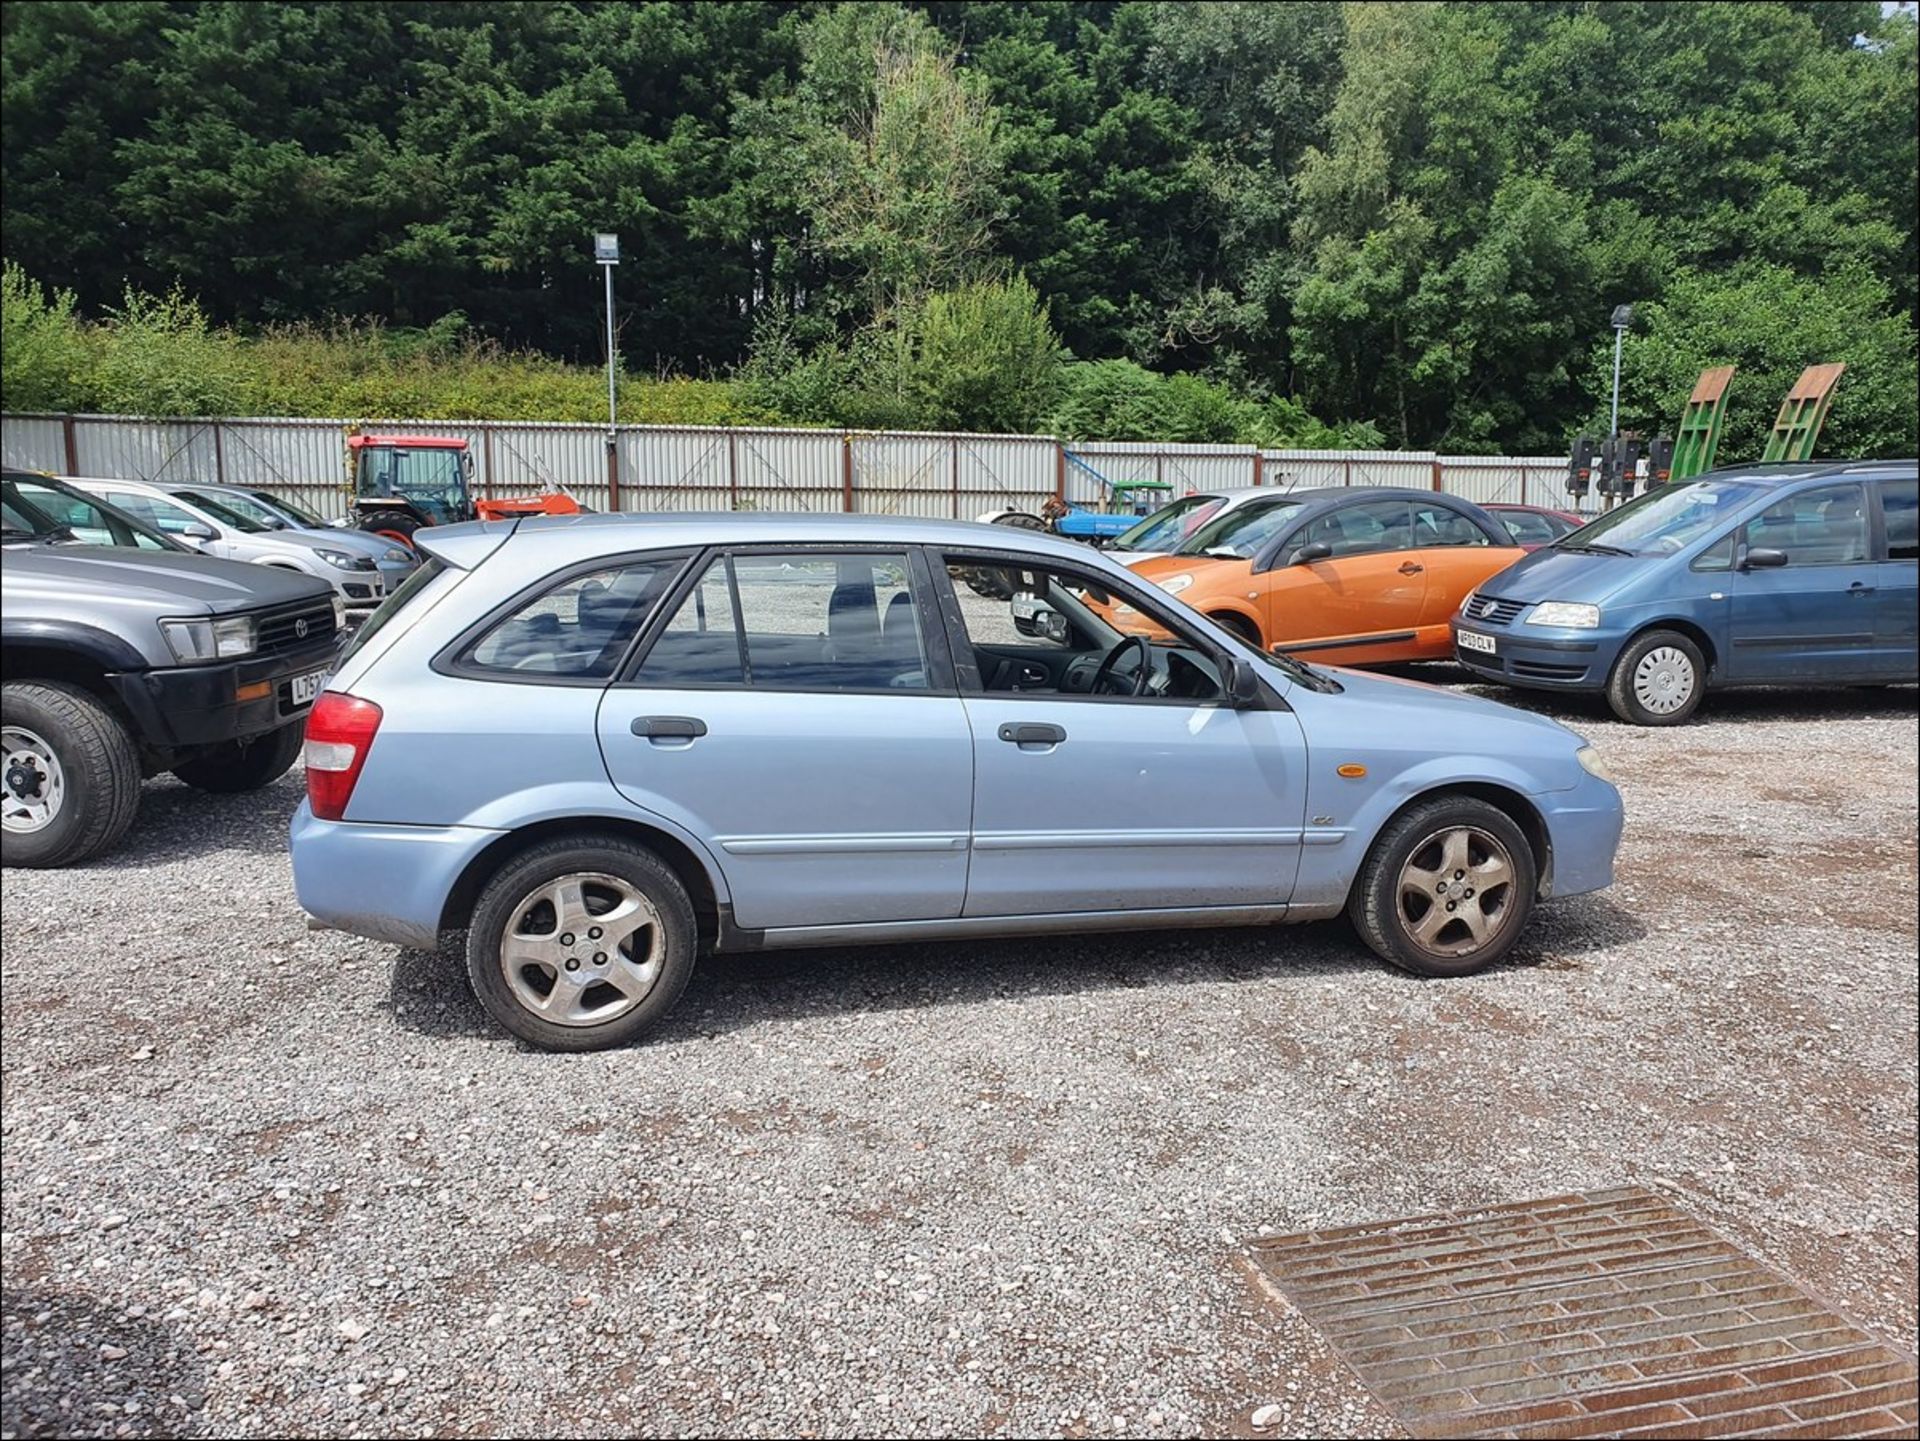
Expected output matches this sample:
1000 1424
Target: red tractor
404 483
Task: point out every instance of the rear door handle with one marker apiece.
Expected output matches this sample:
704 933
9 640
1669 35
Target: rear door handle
1032 733
668 727
1411 568
1860 588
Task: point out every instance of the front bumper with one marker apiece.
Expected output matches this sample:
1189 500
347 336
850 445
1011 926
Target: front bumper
178 707
1583 829
1549 662
384 881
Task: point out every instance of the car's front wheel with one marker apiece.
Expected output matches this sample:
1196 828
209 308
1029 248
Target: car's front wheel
581 944
1658 680
239 766
1446 889
71 780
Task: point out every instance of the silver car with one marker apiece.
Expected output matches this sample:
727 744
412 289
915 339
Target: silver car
394 562
600 744
213 529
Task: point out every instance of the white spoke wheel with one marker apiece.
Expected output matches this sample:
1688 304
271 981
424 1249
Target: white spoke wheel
1659 679
35 783
580 944
1447 887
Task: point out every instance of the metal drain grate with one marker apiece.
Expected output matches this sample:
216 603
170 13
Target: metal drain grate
1598 1315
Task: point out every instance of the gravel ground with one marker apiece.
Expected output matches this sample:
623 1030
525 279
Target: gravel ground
265 1182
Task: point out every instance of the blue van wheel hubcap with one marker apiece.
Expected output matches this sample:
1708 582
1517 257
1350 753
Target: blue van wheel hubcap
1663 681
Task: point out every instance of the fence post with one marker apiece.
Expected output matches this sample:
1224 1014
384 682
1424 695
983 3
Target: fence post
1523 485
613 469
846 471
733 469
1059 470
219 456
1259 467
955 443
1346 472
1439 478
73 444
486 458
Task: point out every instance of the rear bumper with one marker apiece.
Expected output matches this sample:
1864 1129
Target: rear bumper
390 883
178 707
1546 663
1583 827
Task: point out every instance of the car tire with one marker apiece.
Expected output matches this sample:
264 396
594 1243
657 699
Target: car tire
542 973
238 766
1659 679
1240 628
88 772
1445 841
395 525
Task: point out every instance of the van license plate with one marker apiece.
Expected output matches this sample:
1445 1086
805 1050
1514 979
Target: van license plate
1473 640
303 688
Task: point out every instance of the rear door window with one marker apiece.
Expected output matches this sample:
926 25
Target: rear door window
795 621
1900 504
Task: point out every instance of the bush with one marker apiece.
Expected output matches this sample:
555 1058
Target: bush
45 363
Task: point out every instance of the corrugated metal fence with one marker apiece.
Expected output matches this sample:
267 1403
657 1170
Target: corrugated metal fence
713 468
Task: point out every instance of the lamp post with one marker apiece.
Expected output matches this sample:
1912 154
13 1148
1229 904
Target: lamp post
1622 322
606 253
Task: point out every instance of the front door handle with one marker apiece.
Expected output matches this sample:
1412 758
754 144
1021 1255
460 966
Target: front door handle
1411 567
669 727
1032 733
1860 587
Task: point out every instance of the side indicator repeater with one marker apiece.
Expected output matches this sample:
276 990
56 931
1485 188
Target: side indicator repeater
1351 771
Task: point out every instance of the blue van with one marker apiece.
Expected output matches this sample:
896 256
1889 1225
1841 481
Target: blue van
1793 574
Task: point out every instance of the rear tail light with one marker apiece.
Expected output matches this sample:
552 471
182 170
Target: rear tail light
339 734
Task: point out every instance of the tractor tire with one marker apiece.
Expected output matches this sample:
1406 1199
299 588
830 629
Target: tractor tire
394 525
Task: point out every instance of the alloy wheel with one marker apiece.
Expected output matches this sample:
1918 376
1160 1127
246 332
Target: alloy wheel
1455 891
582 950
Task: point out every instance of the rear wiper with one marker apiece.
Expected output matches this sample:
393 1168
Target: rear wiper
1589 548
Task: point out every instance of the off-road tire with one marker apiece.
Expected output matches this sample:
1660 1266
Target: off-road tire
101 771
239 766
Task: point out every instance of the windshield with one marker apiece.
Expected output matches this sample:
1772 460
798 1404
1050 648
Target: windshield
39 508
427 473
293 510
1242 530
225 514
1662 521
1169 525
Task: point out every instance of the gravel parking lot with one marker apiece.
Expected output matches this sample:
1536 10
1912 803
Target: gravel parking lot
260 1181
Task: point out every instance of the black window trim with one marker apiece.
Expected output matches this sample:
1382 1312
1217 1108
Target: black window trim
939 557
451 659
940 673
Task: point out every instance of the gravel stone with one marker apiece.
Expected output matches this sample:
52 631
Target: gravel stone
919 1190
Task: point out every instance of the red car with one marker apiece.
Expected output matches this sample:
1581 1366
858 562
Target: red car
1533 526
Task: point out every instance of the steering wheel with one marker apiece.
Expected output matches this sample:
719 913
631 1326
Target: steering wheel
1102 683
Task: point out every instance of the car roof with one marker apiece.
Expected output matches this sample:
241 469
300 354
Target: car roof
1785 472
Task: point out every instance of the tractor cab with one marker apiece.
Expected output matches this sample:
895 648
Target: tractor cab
403 483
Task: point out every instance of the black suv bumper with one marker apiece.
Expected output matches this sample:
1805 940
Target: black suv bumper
180 707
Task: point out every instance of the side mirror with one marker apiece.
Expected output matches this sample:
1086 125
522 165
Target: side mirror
1243 683
1312 551
1761 557
198 530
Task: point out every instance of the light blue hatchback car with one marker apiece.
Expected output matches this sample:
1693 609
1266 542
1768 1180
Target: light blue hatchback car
601 744
1795 575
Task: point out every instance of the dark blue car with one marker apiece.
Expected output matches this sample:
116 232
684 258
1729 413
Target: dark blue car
1797 574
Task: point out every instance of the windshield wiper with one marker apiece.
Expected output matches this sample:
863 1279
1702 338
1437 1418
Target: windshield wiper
1591 548
1223 552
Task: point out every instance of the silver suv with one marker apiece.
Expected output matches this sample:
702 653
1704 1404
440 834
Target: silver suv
136 656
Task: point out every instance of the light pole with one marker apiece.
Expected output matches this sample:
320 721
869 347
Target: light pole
1622 322
606 252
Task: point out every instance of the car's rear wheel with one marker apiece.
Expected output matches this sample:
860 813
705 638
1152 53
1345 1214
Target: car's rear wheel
581 944
1658 680
70 786
239 766
1447 888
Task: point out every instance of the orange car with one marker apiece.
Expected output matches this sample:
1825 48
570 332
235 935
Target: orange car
1352 576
